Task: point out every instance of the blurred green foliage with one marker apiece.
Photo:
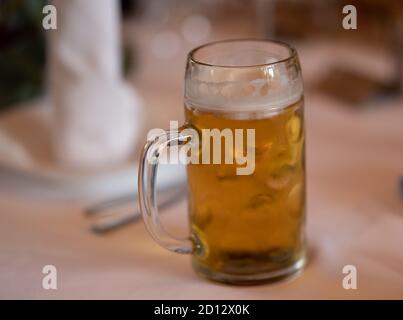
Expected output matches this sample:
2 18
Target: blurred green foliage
22 50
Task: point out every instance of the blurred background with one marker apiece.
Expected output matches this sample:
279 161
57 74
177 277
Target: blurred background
145 45
68 134
158 34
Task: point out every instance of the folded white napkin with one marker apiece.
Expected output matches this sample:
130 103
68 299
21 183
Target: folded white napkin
97 115
98 123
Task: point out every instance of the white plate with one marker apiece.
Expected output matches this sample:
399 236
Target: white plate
28 151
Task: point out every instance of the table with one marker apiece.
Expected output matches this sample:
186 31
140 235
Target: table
355 217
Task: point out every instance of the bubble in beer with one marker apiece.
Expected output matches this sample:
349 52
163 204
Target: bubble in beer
289 154
263 149
261 200
294 129
295 199
281 178
226 171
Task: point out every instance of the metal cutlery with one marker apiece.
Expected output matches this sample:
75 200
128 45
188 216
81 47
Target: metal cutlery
167 198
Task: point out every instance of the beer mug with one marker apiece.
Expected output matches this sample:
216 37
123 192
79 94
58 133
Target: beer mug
243 101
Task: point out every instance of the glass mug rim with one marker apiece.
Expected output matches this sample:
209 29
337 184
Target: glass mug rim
292 53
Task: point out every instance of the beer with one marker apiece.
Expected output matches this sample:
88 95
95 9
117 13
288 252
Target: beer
249 224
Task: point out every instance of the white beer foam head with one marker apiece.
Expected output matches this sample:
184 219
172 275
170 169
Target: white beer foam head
224 82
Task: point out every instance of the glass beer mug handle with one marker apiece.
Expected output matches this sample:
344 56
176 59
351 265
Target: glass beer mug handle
147 193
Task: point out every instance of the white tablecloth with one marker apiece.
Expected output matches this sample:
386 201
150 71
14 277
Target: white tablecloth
355 216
